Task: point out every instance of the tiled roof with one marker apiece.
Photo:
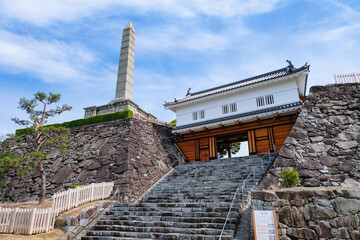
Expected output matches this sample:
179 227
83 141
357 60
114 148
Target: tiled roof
237 116
245 82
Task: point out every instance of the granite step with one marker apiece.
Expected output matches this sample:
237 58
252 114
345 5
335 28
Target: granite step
166 224
169 219
172 214
106 230
192 202
172 236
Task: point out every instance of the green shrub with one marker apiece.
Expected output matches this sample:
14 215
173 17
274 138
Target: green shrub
75 186
22 131
2 185
173 123
86 121
290 178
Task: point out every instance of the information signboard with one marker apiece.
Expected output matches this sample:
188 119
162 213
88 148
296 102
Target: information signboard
265 225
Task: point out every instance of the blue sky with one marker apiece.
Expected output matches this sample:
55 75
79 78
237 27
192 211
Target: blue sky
73 47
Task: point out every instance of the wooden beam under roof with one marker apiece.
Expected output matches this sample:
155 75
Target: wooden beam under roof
235 128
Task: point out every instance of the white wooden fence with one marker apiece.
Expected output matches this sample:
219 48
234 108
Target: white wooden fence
347 78
36 220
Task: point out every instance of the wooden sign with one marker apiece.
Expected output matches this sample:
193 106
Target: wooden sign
265 225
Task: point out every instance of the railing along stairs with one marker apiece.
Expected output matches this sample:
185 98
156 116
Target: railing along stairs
241 188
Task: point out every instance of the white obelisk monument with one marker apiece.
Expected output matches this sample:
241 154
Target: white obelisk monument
125 79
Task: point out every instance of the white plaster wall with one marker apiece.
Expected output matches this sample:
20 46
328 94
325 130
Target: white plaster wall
284 92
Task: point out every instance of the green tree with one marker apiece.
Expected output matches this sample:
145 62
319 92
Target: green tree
43 136
173 123
235 148
11 160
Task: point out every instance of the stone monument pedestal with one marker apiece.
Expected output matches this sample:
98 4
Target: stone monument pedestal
117 105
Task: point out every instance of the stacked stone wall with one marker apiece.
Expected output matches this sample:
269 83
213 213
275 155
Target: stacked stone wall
313 214
323 145
130 152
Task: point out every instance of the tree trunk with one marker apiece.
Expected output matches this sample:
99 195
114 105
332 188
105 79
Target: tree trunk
43 184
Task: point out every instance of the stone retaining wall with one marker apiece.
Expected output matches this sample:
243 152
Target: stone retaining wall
130 152
313 214
323 146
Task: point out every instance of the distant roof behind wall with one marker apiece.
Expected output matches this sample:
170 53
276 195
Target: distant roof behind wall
289 70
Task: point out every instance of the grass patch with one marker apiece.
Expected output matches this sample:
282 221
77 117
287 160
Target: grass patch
127 113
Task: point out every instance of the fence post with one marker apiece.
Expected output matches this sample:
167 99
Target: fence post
31 220
48 219
92 191
13 218
103 185
68 203
77 196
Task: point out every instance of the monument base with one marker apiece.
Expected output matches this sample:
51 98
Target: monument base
117 105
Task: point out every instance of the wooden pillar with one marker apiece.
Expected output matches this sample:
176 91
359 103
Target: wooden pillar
271 139
229 150
252 143
212 147
197 150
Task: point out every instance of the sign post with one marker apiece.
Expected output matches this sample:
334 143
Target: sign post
265 225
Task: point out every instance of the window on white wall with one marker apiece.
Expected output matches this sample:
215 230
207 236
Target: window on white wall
202 114
260 101
195 116
233 107
225 109
269 99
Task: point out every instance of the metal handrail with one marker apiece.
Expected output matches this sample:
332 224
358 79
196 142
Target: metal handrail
242 189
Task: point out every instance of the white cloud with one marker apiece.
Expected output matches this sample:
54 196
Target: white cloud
51 61
172 39
42 12
346 11
335 34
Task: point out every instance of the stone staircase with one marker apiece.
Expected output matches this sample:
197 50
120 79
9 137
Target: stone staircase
190 203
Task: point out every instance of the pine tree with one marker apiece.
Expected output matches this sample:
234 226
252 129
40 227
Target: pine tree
43 136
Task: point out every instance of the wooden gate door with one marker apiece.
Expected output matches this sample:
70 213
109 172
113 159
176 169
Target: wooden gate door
204 155
261 140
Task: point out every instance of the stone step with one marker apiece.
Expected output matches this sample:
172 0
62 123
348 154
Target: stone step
217 172
169 200
106 229
174 209
110 238
173 236
190 203
201 187
211 177
167 224
213 164
164 199
202 184
187 199
240 167
170 219
172 214
154 232
195 194
182 204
